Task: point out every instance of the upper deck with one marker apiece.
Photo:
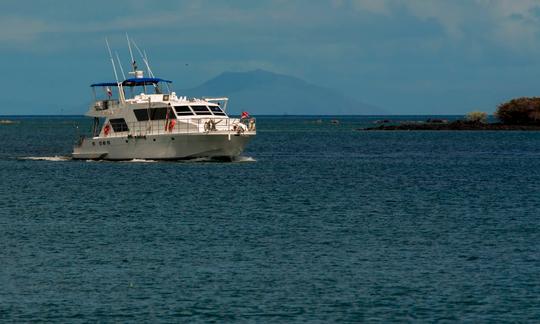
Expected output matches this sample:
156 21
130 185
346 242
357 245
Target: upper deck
149 93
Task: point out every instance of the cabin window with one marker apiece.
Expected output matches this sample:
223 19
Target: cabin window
183 110
153 114
158 113
142 114
217 111
119 125
201 110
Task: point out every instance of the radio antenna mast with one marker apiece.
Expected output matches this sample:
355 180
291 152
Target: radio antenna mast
120 90
120 65
148 63
133 63
144 59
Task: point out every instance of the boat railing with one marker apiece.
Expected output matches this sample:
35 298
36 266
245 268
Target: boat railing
80 140
105 104
225 126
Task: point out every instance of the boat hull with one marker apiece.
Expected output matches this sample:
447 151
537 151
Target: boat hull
162 147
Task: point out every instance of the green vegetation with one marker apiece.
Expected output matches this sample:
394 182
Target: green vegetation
520 111
477 117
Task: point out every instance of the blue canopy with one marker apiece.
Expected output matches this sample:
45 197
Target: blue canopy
132 82
104 84
142 81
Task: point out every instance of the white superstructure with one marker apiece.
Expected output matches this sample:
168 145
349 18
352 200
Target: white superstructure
140 118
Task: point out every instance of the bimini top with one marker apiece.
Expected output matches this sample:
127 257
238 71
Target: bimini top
133 82
143 81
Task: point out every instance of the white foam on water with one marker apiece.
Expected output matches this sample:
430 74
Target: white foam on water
61 158
237 159
244 159
197 160
56 158
139 161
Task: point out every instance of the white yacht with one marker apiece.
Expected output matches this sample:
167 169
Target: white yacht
141 118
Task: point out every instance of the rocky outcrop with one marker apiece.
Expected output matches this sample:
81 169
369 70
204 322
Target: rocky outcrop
453 126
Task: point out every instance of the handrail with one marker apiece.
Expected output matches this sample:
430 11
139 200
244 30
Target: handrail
226 126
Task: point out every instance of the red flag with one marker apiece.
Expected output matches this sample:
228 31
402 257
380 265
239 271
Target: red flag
245 114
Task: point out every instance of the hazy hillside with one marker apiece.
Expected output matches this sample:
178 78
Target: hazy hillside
263 92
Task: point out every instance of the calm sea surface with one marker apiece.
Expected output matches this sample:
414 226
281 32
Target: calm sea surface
318 223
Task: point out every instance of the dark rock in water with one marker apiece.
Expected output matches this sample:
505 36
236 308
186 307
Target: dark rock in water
384 121
455 125
334 121
436 121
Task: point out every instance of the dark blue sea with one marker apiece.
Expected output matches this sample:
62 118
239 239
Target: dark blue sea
317 222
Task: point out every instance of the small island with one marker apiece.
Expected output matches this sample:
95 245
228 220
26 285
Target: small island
521 114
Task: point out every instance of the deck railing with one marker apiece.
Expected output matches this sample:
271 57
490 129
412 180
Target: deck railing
233 126
105 104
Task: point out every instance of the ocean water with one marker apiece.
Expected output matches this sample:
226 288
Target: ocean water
316 223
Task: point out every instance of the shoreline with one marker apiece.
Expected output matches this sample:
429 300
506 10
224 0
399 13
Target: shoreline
451 126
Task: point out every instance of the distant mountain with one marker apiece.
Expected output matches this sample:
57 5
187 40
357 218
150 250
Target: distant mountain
266 93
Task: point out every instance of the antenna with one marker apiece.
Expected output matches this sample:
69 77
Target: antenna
143 57
120 65
148 64
112 61
120 90
133 64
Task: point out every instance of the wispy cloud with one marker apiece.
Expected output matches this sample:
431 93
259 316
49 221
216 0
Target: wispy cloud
401 47
21 29
514 24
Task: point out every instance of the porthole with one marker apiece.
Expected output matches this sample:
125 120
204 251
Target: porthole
154 139
172 138
127 141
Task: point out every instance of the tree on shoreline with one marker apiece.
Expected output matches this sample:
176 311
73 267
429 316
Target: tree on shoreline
477 117
520 111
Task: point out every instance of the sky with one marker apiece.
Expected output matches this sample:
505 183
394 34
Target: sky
405 56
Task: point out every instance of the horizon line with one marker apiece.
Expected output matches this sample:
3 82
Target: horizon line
262 115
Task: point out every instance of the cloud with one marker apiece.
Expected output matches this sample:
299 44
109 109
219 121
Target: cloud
372 6
19 30
512 24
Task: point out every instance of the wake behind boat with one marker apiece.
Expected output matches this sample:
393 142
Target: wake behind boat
141 118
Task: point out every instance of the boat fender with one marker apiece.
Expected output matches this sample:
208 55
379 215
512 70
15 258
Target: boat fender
169 127
107 129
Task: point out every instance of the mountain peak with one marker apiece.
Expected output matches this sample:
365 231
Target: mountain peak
264 92
251 78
